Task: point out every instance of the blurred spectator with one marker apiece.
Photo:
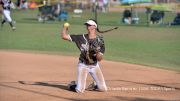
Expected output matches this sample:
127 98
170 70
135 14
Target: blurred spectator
50 13
45 13
105 6
100 5
82 4
157 17
127 16
18 2
176 20
93 5
24 4
56 9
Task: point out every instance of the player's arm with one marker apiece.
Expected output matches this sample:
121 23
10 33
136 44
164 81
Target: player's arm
99 54
64 34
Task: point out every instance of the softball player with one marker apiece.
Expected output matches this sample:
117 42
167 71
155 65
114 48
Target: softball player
88 60
6 5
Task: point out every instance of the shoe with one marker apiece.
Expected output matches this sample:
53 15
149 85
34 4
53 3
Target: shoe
92 86
72 86
13 28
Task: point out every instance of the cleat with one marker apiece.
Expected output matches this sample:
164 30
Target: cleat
13 28
72 86
92 86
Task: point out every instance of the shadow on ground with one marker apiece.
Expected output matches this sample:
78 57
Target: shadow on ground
60 86
118 98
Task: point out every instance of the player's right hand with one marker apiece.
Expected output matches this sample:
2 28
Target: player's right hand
66 25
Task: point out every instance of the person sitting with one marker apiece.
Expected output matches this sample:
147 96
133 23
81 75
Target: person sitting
176 20
156 17
127 17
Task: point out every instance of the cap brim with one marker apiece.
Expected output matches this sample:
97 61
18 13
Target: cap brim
86 24
91 23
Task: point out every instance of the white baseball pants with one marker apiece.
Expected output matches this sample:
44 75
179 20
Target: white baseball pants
96 74
7 17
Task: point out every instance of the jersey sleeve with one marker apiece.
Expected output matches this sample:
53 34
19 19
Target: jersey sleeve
102 49
75 38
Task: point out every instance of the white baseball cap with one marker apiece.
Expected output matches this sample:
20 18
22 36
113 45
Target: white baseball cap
91 22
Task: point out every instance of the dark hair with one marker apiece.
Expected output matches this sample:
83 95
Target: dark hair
102 31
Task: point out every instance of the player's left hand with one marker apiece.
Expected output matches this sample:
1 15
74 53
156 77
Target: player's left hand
99 56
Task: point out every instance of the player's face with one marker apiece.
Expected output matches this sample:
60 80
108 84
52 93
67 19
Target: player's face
90 27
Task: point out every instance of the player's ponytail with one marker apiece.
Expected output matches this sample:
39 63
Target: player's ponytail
100 30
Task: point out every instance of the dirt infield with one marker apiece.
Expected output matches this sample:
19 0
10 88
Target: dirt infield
45 78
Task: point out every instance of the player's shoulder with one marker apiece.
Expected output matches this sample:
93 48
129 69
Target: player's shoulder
100 36
100 39
77 36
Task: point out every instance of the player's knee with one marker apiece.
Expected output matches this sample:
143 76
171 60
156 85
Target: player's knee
102 88
80 90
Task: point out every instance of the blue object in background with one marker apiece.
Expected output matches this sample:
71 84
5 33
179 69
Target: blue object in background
134 1
63 16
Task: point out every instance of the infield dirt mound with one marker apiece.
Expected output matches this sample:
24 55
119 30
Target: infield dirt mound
42 77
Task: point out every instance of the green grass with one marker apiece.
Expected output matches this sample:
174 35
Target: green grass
157 46
148 46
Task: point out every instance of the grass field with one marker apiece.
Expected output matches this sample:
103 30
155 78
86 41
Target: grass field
155 45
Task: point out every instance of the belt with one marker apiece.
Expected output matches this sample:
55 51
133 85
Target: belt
6 8
86 63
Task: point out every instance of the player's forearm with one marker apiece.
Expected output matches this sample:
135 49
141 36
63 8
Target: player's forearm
64 33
